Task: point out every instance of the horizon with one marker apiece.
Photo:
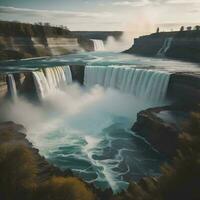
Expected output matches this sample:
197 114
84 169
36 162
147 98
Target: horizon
136 16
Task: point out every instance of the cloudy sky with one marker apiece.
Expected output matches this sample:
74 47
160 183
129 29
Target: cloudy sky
141 16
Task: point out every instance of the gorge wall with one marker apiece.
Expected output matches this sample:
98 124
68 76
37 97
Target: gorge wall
99 35
185 45
19 40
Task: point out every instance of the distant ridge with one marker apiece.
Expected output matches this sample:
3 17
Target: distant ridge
99 35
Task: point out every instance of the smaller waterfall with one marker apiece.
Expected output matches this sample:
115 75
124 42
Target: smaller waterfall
148 84
165 47
98 45
41 84
50 79
12 86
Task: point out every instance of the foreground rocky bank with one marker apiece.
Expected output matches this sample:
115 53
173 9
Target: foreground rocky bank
21 164
15 133
183 45
25 174
161 126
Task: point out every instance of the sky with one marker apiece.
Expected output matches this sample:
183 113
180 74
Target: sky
139 16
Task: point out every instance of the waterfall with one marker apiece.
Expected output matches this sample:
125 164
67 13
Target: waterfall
149 84
12 86
165 47
50 79
98 45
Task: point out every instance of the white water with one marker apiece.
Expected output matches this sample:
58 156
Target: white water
49 79
165 47
12 86
148 84
87 129
98 45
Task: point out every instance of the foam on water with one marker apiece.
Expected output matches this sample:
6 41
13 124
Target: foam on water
148 84
88 129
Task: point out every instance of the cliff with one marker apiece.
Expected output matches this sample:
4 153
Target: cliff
163 132
99 35
184 88
185 45
20 40
46 170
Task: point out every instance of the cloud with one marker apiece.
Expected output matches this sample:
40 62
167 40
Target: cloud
138 3
135 3
182 1
52 13
74 20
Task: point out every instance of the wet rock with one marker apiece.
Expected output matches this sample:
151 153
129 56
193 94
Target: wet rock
161 134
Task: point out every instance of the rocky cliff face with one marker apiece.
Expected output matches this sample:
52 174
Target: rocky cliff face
185 45
20 40
184 88
163 136
24 47
3 87
78 73
161 126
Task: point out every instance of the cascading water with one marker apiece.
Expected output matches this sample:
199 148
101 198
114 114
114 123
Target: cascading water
88 130
147 84
41 84
50 79
12 86
165 47
98 45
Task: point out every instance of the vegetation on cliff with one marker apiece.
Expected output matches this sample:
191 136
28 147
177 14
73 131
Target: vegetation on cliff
19 29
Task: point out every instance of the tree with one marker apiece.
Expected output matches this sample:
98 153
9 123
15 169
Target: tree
197 28
182 28
47 24
189 28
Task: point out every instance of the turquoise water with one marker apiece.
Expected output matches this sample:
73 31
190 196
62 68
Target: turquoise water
89 131
101 58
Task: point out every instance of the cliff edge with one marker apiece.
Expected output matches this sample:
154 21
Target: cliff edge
183 45
22 40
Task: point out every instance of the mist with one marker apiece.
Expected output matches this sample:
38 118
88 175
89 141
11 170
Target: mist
79 119
85 111
134 27
120 45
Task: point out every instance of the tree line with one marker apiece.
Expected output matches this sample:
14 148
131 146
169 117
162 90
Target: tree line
39 29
